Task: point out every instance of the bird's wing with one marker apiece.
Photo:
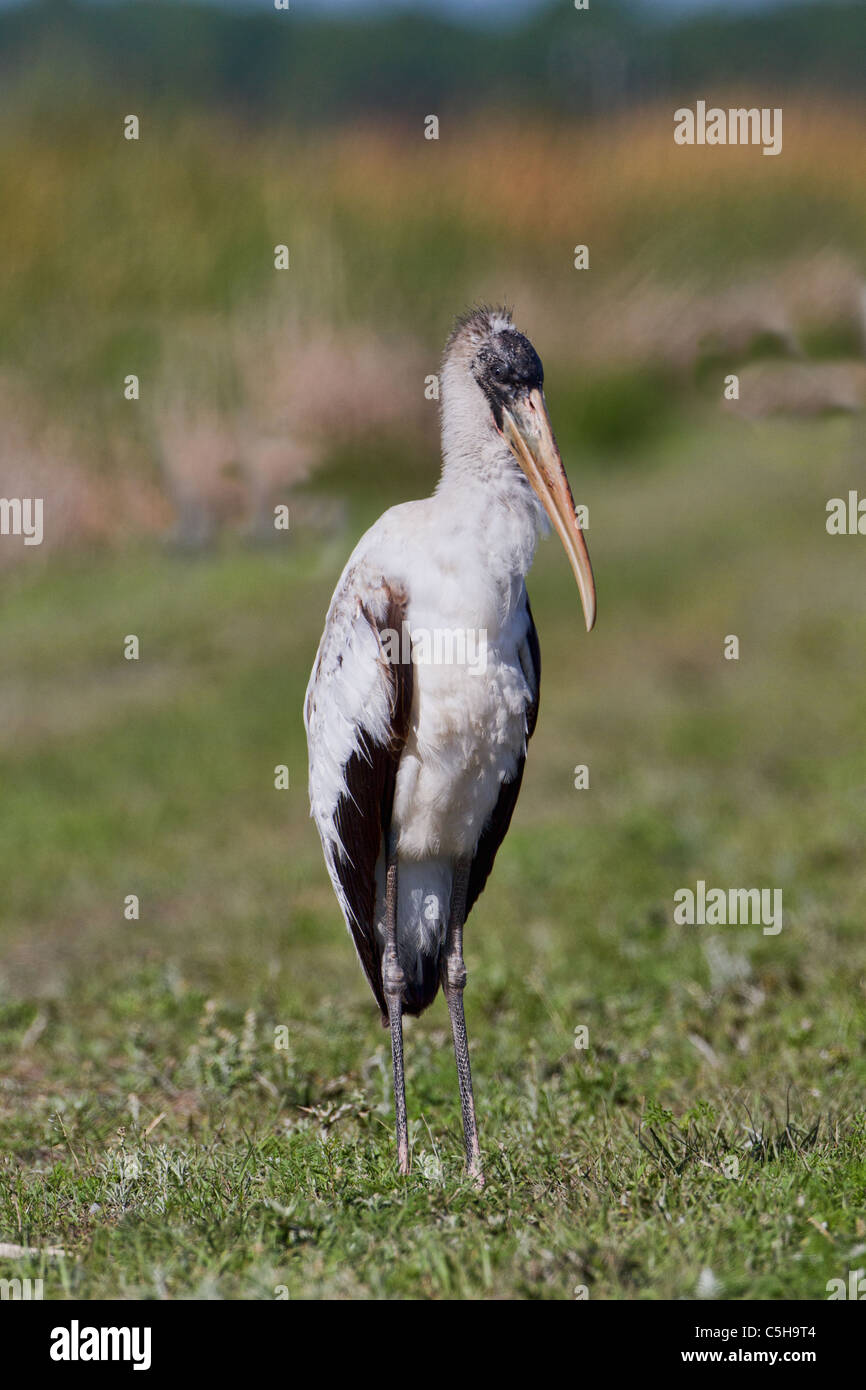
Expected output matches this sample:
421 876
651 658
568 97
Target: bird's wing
497 825
357 714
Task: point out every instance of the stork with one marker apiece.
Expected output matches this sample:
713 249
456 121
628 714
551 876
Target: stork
416 763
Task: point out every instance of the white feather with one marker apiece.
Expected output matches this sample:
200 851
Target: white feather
460 556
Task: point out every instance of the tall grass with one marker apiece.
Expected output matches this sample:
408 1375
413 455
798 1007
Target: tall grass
112 247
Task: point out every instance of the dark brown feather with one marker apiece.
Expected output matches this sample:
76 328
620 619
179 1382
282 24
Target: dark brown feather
363 814
496 828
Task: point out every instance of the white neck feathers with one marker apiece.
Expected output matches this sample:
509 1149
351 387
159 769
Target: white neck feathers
482 483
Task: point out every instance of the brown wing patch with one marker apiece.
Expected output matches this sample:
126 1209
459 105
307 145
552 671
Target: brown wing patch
496 828
363 814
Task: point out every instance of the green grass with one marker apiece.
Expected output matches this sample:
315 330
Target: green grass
148 1124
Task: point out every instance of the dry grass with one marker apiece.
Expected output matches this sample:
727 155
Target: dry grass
253 380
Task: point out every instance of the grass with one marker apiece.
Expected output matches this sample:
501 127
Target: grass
150 1126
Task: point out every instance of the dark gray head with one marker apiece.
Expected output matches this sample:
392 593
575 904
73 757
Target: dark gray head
494 415
502 361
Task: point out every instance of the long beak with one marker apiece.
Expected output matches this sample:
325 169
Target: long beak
526 427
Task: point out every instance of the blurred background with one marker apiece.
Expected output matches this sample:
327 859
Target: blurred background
306 387
259 128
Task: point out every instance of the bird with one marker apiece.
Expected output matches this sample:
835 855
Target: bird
425 688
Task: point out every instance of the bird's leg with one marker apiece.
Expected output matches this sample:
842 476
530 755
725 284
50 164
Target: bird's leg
393 981
453 984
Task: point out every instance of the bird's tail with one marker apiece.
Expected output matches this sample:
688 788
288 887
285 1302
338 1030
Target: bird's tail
423 900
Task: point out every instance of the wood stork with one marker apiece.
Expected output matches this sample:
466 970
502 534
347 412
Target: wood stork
416 763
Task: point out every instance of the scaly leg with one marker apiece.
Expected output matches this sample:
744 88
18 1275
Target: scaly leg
393 982
453 984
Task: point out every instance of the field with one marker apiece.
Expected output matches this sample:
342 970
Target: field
198 1103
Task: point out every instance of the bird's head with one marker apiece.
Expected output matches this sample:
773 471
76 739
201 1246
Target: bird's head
492 395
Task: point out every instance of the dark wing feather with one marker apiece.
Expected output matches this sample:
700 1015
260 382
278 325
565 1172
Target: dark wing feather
496 828
363 814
